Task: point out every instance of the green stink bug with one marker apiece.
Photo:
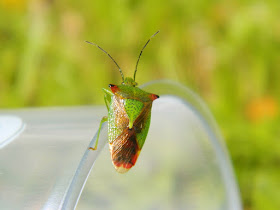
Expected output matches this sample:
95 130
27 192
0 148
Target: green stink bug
129 115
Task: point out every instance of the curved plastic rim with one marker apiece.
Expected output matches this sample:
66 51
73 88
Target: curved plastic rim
10 128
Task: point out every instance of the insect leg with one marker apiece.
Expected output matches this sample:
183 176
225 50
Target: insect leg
107 97
106 102
104 119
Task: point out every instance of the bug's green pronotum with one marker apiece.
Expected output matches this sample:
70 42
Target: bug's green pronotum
129 116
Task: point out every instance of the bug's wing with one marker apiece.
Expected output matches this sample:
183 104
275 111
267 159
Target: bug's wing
142 124
124 150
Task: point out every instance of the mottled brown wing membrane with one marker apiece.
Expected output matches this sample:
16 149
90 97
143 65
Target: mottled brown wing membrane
124 150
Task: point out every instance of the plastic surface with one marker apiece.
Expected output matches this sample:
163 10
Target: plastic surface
183 164
37 167
10 128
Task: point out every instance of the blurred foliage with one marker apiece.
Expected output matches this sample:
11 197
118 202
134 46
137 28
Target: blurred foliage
226 51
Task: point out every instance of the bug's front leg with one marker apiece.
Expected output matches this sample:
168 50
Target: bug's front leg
104 119
107 97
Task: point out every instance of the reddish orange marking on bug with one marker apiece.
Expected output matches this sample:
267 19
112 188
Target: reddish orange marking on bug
153 97
114 88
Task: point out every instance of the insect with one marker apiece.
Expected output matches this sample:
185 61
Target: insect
129 116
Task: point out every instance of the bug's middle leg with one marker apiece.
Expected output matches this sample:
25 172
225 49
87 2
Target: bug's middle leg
104 119
107 99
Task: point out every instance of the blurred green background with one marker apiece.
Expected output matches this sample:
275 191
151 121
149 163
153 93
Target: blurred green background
226 51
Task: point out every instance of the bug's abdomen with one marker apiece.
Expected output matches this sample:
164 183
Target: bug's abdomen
125 150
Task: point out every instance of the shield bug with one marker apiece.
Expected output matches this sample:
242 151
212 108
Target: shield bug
129 116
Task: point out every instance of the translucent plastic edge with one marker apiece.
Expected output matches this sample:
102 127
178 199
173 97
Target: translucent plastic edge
76 186
15 134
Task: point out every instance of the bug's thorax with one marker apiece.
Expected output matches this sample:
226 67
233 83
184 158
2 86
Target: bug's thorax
128 90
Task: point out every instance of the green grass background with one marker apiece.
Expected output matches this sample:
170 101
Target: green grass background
226 51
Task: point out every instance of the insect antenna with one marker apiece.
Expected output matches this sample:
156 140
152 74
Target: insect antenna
141 53
109 56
